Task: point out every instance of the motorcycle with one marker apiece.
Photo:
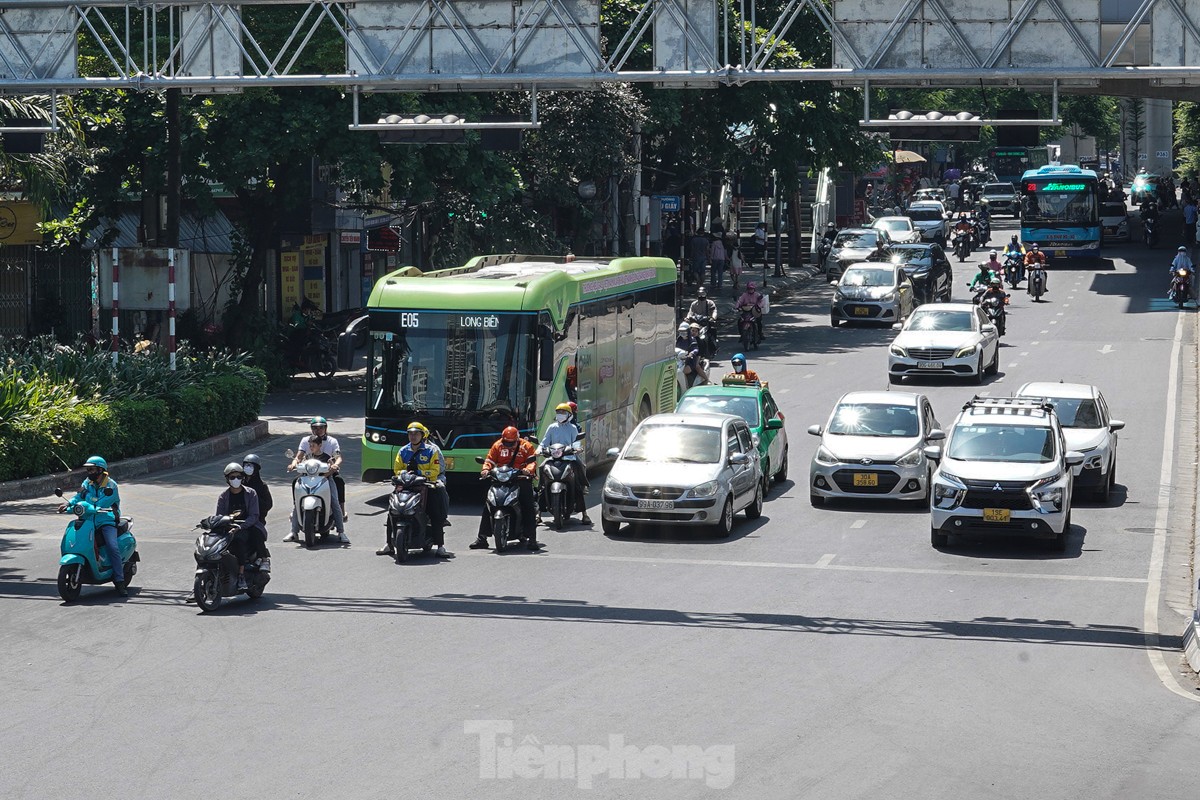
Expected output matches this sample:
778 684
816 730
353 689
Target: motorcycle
747 327
996 313
313 349
84 558
1181 287
1037 282
560 489
823 251
708 334
1150 231
962 245
407 520
217 566
1014 267
312 492
688 380
503 504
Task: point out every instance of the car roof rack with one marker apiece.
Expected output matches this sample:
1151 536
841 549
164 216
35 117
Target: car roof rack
1027 406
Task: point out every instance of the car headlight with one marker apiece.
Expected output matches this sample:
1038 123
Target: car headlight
838 296
615 488
946 495
898 351
1046 495
825 457
910 459
890 297
963 352
1093 462
706 489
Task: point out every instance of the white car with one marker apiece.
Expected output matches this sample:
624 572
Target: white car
871 291
1005 469
899 229
953 339
929 217
1114 221
684 469
934 193
1088 428
872 447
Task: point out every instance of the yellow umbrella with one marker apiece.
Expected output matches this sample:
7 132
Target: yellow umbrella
908 157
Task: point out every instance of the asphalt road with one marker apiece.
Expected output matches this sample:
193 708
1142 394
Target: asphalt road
816 653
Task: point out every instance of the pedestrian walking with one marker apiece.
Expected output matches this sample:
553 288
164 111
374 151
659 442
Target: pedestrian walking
736 265
760 245
697 256
716 258
1189 222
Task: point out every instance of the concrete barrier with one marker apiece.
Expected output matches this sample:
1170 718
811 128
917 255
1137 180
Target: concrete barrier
43 485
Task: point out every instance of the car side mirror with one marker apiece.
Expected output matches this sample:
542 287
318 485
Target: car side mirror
833 283
1074 459
290 453
58 490
479 459
897 326
774 424
532 439
613 452
989 328
739 459
936 435
932 452
814 430
1115 425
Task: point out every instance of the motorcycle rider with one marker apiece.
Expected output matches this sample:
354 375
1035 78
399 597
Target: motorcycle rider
995 290
510 450
330 447
704 310
250 536
99 489
988 272
689 343
1184 261
316 449
252 465
425 457
563 431
758 302
1036 256
749 376
993 263
1015 250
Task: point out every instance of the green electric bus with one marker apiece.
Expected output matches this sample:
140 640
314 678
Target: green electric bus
502 340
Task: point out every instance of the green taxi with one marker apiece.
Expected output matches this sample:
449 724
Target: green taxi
754 404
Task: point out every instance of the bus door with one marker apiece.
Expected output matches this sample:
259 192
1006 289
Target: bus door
597 376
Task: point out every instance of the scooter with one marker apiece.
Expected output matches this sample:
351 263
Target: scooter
85 558
1014 266
747 327
1037 282
1181 287
962 245
1150 231
407 519
560 489
708 334
217 566
688 380
503 505
994 308
312 493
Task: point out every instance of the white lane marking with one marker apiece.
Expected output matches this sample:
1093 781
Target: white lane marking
1025 354
1053 322
1067 305
809 375
1059 314
825 560
782 391
1105 350
858 523
1034 343
712 562
1014 364
1158 551
1045 331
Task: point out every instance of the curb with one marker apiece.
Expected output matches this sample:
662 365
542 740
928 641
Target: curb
44 485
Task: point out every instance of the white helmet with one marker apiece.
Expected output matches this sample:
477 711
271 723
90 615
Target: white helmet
992 254
683 327
234 467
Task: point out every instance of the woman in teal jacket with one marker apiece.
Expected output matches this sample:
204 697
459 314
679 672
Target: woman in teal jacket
101 491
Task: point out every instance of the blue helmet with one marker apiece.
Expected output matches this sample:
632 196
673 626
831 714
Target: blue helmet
738 360
96 461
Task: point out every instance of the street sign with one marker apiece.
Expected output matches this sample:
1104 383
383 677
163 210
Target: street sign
1162 153
668 203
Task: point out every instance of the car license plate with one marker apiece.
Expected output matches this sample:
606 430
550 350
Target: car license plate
861 311
929 365
866 479
1060 253
656 505
996 515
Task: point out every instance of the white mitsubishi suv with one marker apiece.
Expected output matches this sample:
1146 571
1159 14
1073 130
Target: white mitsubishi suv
1005 469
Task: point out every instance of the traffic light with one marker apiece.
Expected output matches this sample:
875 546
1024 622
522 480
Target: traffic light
422 129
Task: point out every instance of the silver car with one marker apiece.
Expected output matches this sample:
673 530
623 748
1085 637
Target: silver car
684 469
871 292
1088 428
873 447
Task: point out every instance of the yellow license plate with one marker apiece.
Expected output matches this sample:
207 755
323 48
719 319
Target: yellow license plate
996 515
1060 253
866 479
862 311
449 462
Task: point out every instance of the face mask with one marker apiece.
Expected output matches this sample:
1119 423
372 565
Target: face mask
560 417
235 483
249 468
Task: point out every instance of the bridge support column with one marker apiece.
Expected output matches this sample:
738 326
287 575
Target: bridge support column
1159 141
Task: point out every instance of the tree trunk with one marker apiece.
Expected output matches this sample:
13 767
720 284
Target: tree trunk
262 228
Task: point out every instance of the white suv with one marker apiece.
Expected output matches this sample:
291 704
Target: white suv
1005 470
1088 428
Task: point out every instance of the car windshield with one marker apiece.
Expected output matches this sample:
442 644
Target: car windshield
874 419
744 406
924 215
894 224
1019 444
1076 412
903 255
685 444
999 188
938 320
1061 201
866 276
860 240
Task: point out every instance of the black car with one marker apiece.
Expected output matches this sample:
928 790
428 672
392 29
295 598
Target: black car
929 270
853 245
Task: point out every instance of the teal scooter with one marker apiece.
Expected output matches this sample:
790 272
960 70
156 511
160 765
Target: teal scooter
84 556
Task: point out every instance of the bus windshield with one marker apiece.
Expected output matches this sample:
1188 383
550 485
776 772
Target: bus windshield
455 364
1061 201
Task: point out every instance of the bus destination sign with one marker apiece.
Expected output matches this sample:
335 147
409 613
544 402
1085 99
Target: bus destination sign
1055 186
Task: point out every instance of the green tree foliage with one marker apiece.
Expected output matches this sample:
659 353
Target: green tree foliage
1187 137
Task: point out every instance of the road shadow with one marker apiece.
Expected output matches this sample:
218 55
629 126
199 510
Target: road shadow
743 528
1015 547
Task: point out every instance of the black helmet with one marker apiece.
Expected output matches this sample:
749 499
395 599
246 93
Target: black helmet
252 459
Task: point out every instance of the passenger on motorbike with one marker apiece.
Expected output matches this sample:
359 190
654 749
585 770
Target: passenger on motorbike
252 465
101 491
330 447
1036 256
688 343
251 537
316 449
757 301
749 376
563 431
423 456
510 450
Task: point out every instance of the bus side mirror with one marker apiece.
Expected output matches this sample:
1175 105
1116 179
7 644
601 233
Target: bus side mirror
345 352
546 364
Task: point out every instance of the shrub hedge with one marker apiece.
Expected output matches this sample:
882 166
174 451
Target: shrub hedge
137 409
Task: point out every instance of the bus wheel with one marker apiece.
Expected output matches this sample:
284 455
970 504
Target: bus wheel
644 409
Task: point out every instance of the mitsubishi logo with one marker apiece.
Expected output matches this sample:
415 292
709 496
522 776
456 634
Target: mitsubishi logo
997 488
866 462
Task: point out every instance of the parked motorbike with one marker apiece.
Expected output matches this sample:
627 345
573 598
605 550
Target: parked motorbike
962 245
560 489
407 519
1037 282
1181 287
217 566
312 493
313 349
708 334
748 327
84 558
504 506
